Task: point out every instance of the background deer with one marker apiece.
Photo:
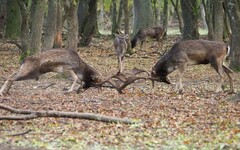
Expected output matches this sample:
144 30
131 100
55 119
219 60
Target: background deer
157 32
57 60
120 46
193 52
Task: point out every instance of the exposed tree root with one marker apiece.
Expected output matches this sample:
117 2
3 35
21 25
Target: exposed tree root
28 114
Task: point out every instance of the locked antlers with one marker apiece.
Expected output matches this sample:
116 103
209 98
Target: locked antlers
120 81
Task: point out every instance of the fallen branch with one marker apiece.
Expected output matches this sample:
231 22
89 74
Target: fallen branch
18 134
28 115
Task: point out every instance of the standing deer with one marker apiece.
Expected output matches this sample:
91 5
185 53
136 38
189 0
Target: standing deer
56 60
120 46
157 32
193 52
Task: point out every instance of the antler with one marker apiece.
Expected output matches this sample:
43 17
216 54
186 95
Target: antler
123 80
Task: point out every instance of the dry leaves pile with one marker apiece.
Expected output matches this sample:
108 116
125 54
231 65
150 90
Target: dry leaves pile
199 118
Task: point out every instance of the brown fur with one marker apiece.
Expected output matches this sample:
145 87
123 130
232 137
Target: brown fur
56 60
157 32
193 52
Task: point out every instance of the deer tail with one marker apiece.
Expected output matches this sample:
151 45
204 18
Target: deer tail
228 51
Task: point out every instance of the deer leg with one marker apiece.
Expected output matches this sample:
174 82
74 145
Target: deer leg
216 65
7 84
228 71
120 64
181 70
141 45
6 87
75 78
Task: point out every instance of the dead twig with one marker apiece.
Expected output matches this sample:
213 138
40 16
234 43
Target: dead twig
22 133
28 115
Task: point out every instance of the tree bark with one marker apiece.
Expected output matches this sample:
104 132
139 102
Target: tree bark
218 22
37 25
12 20
114 17
165 15
59 21
142 16
25 35
233 10
71 7
190 18
88 20
179 16
126 26
50 28
208 6
3 10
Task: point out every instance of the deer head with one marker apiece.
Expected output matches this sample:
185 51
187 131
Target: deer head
193 52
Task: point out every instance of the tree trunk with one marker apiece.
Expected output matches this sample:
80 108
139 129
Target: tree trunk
114 17
37 25
3 10
88 22
165 15
218 22
50 28
232 7
71 7
190 18
59 21
126 26
208 10
25 35
142 15
12 20
179 16
120 12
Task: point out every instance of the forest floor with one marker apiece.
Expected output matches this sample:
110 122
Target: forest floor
197 119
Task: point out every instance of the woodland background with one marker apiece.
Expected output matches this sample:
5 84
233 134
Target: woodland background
197 119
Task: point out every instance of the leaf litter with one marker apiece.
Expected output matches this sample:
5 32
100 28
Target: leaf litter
197 119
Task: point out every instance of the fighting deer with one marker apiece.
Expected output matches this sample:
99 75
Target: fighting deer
157 32
193 52
120 46
56 60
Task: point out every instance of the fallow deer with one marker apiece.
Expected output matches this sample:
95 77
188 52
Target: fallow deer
56 60
157 32
193 52
120 46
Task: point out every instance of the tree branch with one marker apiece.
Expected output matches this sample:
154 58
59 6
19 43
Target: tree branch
28 115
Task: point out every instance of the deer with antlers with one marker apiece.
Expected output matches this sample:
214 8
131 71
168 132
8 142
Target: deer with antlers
157 32
193 52
120 46
56 60
65 60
